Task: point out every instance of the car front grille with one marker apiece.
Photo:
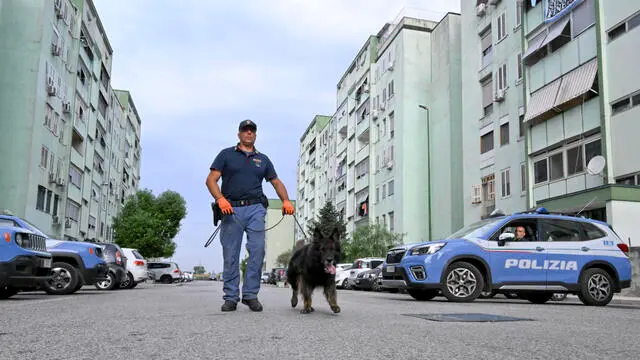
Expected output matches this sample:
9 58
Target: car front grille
34 242
395 256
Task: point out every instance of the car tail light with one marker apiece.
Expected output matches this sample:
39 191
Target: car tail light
176 271
624 248
138 263
7 237
118 258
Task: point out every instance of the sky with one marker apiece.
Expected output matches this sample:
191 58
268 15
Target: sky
197 68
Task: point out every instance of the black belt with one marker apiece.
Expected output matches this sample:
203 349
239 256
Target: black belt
248 202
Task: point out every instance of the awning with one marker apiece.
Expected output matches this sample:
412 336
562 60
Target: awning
542 100
534 45
555 30
577 82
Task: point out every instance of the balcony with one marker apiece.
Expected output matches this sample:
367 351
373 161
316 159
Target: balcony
362 182
362 153
363 127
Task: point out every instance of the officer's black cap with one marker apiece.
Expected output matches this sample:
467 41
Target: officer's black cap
247 124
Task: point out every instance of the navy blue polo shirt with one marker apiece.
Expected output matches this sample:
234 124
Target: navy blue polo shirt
243 172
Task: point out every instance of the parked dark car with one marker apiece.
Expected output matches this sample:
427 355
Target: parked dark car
277 274
117 263
369 280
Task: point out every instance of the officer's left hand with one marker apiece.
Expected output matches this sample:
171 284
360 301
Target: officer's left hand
287 207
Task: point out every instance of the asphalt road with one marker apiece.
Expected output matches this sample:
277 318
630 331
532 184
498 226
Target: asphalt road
185 322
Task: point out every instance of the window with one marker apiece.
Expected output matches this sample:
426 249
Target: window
73 210
506 182
575 163
523 177
556 167
592 232
559 230
552 167
487 97
390 188
521 125
391 88
391 124
487 51
42 193
502 26
540 171
44 157
502 77
384 191
583 17
92 222
488 187
486 142
75 176
518 15
377 194
391 224
504 134
625 103
519 64
362 168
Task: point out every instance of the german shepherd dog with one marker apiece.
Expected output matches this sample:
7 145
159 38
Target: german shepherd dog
314 265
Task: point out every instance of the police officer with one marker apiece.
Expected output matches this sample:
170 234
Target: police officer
244 206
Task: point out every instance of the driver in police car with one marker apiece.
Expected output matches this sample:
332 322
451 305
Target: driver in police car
521 234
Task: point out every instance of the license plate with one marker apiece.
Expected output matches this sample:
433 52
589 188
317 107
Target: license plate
46 263
391 268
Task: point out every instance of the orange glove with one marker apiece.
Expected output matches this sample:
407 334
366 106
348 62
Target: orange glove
287 207
224 205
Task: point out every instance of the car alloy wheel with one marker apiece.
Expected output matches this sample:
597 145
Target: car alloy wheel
596 287
463 282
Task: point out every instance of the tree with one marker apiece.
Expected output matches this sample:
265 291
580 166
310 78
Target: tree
150 223
369 241
328 219
243 265
283 259
199 269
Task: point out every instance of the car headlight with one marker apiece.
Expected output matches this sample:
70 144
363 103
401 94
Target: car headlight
427 249
19 238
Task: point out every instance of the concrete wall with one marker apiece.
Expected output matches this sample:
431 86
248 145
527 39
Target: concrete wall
634 290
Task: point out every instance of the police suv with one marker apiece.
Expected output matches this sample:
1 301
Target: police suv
534 254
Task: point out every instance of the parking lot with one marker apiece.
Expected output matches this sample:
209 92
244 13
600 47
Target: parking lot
183 321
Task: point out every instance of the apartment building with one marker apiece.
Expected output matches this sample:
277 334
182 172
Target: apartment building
279 239
398 102
493 111
70 142
582 88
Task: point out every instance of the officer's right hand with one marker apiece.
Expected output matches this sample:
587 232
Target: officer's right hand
224 205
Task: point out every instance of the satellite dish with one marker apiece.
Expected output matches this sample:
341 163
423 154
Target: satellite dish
596 165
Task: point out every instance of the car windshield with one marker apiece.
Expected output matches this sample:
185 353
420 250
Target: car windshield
475 229
33 228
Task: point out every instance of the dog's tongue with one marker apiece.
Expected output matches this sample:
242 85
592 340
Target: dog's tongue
331 269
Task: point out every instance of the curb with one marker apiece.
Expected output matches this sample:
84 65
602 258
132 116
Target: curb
618 300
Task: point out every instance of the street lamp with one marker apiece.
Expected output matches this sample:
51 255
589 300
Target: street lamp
424 107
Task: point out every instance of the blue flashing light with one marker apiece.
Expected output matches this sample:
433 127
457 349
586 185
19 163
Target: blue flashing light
542 210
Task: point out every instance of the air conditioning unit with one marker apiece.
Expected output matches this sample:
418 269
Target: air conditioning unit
60 181
481 9
67 223
390 67
374 114
499 96
57 5
51 90
52 178
55 220
66 106
56 50
381 106
389 164
365 88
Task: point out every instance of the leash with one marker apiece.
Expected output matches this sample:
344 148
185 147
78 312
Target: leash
235 217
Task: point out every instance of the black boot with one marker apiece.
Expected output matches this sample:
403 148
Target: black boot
229 306
253 304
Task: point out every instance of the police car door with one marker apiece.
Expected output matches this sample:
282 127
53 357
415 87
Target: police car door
569 248
518 264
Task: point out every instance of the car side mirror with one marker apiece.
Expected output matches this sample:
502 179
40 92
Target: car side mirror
504 237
